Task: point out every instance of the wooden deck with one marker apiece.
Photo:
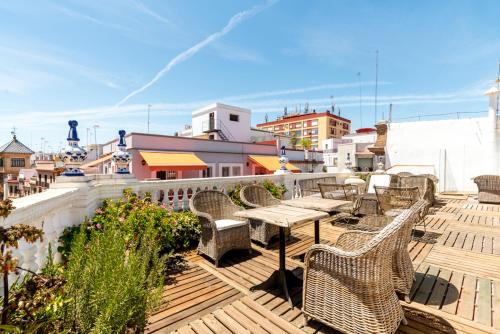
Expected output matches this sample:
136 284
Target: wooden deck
457 288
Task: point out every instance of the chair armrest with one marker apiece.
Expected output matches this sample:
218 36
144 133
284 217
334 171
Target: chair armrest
354 240
331 250
230 209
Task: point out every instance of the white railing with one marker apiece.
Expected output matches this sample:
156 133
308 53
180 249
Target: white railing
71 199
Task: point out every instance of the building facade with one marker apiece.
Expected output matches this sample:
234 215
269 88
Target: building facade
356 146
14 156
314 126
174 157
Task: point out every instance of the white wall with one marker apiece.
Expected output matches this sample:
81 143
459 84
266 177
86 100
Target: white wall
458 149
237 131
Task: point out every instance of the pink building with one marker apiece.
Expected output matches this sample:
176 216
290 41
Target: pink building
173 157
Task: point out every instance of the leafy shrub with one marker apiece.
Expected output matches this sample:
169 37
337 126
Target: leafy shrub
275 190
112 280
176 230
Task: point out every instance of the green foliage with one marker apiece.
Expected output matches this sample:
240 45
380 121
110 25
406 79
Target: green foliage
276 190
131 215
364 176
112 280
36 303
306 143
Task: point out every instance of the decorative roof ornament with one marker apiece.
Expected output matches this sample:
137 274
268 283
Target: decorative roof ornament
122 157
73 155
283 160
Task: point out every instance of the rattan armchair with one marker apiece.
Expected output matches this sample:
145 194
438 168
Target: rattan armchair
345 192
309 187
425 186
393 200
255 196
403 273
350 287
488 188
221 231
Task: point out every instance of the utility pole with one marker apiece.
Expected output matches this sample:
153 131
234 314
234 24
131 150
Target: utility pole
376 83
390 112
88 130
95 141
360 103
149 110
41 146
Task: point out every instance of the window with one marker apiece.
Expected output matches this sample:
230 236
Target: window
314 131
276 127
326 146
17 162
333 122
166 175
298 125
305 124
234 118
1 162
236 170
333 131
171 174
314 123
225 171
207 172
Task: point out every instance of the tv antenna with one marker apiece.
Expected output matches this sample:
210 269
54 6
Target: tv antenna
376 83
360 95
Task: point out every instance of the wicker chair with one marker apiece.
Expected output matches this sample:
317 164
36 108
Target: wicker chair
346 192
393 200
255 196
309 187
350 287
403 273
488 188
425 186
368 204
221 232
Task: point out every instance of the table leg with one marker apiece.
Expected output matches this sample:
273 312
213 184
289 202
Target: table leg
281 278
316 231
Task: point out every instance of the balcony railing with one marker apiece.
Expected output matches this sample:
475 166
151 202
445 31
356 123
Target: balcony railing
70 199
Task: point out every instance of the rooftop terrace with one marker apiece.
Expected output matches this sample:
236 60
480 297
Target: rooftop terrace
457 288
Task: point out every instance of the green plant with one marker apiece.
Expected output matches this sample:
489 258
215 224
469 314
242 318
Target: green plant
112 281
278 191
9 238
306 143
234 195
37 301
177 230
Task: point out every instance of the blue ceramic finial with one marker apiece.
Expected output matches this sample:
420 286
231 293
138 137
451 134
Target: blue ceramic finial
73 155
72 134
122 157
122 138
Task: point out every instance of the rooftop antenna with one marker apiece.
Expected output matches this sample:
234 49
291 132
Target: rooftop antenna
266 118
306 108
285 111
149 109
376 83
13 132
390 112
360 107
498 84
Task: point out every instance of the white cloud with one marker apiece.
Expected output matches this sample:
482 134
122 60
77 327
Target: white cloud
146 10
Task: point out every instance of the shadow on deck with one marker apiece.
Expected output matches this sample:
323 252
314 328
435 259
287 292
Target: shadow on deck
457 289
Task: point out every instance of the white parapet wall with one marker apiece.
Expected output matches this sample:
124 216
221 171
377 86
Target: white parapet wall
71 199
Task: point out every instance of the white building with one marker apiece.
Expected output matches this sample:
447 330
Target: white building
219 121
354 145
455 150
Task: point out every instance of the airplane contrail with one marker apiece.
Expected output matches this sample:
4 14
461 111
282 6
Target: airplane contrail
233 22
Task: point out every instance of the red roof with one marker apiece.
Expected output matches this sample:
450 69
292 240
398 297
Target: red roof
302 117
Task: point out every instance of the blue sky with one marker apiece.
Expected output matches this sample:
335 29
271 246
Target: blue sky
84 60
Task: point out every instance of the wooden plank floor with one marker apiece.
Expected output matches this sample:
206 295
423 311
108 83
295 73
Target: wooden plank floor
457 288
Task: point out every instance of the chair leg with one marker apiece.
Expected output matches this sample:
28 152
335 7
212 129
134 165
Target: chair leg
404 321
217 263
407 299
305 320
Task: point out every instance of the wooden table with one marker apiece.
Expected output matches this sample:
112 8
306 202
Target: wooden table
320 204
283 216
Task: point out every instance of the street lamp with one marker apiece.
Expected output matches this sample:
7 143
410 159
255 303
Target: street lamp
96 126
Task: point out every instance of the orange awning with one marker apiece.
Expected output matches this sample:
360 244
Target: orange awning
271 163
173 161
